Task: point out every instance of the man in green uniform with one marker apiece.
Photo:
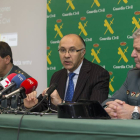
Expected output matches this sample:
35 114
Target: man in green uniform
7 67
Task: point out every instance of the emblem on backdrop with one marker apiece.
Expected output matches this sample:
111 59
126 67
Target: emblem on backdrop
125 1
48 6
70 2
136 21
48 55
81 25
108 23
58 27
122 52
95 52
110 82
95 2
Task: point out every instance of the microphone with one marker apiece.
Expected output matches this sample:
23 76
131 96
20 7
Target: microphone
26 87
48 93
7 81
15 82
50 90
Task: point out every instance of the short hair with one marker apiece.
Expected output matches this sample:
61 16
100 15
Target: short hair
5 50
136 33
82 40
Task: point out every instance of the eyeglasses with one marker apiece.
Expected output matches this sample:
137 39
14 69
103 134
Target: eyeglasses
71 51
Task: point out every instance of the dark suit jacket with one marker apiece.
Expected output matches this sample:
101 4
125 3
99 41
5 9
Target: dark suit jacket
92 84
130 90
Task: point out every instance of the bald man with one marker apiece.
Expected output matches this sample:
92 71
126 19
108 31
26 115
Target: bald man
89 81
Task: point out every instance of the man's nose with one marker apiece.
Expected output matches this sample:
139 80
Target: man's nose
134 54
67 54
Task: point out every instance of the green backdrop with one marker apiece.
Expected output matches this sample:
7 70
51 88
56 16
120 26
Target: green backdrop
105 25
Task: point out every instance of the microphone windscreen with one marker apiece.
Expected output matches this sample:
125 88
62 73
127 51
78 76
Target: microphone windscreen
51 88
18 79
29 85
11 76
7 81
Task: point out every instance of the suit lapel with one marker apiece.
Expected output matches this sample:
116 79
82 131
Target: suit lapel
83 76
62 83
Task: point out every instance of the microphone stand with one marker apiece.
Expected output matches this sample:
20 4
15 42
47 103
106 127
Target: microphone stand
1 108
19 103
49 110
20 98
9 109
9 103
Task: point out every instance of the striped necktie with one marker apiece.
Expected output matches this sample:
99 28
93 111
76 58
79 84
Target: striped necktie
70 89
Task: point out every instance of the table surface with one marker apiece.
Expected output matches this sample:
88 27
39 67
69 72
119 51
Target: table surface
51 127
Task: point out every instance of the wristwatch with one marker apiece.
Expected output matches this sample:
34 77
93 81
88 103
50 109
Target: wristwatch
135 113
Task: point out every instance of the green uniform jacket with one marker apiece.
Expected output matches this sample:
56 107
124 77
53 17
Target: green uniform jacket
130 90
14 100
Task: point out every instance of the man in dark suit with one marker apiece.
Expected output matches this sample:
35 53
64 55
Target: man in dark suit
7 67
125 103
90 81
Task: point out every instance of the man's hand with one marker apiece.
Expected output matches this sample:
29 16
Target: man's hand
55 98
119 109
125 111
44 91
112 108
31 100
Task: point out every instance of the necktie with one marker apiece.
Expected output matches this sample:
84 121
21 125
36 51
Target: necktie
70 90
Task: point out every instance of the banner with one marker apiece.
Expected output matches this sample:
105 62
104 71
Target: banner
106 27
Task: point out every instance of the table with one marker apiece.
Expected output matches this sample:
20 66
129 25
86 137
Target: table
49 127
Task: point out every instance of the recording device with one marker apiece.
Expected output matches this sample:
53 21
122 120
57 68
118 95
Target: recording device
15 82
7 81
83 109
26 87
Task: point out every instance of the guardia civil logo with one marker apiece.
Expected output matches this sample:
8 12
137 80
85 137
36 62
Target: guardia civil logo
136 20
111 80
49 10
70 9
95 7
122 51
58 27
107 23
48 55
48 6
70 5
123 5
49 62
82 25
94 52
123 62
125 1
95 2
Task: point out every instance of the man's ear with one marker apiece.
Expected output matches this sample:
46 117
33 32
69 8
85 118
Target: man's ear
7 59
83 52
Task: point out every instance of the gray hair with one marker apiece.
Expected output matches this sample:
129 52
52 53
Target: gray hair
136 33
